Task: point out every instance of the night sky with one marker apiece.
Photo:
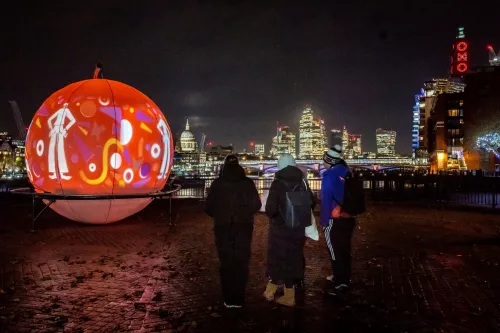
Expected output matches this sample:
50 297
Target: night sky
236 67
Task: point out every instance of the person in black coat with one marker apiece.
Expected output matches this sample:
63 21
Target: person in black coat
232 202
230 159
285 251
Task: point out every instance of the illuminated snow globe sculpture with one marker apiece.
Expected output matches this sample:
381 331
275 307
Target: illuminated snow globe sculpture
99 137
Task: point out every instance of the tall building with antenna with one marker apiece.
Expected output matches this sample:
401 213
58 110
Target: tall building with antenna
428 97
459 60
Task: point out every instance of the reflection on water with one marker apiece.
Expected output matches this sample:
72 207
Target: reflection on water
198 188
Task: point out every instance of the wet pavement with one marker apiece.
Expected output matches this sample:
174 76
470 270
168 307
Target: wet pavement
415 270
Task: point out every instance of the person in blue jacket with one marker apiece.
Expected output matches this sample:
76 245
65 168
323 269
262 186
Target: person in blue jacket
338 226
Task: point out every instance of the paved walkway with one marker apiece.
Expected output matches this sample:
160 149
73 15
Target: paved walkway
415 270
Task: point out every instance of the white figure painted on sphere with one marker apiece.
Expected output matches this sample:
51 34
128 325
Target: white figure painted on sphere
59 131
162 127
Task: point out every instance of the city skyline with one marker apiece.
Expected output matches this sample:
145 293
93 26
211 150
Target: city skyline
305 145
236 69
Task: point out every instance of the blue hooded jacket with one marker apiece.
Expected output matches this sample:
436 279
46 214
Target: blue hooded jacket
332 186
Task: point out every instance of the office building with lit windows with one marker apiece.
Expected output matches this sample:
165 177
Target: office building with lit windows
284 143
458 120
427 101
259 149
313 140
386 142
346 148
416 124
355 145
12 161
351 144
446 135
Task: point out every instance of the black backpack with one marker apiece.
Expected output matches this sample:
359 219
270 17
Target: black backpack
297 206
354 196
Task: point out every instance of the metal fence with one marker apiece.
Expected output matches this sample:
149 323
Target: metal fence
473 191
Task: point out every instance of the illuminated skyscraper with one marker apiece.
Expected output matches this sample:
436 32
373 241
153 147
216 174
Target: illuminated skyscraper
351 144
313 141
416 124
355 145
324 140
386 143
259 149
346 149
284 142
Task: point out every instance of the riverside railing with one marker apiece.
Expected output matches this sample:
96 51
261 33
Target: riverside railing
438 189
472 191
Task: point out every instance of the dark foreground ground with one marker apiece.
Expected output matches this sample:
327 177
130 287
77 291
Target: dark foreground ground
415 270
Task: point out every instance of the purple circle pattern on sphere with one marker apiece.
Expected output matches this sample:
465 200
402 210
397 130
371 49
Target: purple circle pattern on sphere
145 169
34 143
148 146
74 158
36 168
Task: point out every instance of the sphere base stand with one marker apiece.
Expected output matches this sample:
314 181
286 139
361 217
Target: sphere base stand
52 198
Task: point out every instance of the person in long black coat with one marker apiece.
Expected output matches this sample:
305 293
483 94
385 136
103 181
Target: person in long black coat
230 159
232 202
285 252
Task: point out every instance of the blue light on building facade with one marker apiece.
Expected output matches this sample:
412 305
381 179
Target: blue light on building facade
416 123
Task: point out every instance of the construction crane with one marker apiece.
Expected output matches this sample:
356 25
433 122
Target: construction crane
19 120
202 142
494 58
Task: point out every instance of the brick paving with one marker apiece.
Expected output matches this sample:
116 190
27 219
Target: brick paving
415 270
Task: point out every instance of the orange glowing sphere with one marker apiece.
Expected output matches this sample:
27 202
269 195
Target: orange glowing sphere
99 137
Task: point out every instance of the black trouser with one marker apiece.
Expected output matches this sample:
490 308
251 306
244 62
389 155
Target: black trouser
233 243
299 283
338 237
288 283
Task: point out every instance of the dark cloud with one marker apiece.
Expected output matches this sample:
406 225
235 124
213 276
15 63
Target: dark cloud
195 100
